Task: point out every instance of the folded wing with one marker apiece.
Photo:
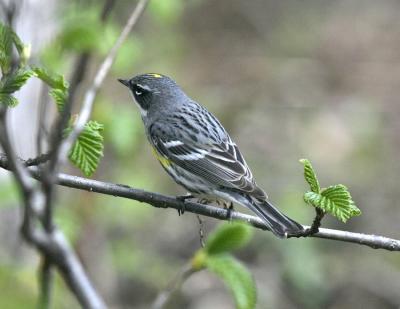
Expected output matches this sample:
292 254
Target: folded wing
219 162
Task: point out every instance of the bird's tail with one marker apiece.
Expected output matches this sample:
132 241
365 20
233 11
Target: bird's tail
279 224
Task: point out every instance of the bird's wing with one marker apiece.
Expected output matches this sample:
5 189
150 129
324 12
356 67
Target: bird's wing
221 163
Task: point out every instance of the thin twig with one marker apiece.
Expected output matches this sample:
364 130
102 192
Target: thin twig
319 215
163 298
13 164
46 283
43 158
314 228
41 130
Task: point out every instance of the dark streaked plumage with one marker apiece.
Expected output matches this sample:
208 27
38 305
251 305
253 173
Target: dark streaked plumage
197 152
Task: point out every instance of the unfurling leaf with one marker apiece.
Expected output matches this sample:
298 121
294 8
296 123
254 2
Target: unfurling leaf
88 148
310 176
55 81
14 81
60 97
236 277
6 40
335 200
228 237
8 100
24 50
59 85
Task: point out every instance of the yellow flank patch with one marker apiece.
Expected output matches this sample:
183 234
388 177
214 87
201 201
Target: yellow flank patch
163 160
155 75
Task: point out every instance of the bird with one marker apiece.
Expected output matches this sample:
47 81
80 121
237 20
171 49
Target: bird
197 152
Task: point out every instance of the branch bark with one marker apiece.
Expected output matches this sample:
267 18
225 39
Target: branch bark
164 201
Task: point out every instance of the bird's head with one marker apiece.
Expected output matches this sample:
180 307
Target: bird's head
153 91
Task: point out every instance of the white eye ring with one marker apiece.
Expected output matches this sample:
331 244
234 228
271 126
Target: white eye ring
137 92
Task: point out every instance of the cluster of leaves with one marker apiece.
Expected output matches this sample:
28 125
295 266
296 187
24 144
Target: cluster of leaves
14 73
216 257
335 199
88 149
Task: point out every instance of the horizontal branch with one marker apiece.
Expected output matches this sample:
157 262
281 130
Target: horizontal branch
164 201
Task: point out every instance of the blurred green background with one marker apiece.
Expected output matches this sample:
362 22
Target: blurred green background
288 79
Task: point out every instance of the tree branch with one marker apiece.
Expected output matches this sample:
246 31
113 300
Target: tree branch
164 201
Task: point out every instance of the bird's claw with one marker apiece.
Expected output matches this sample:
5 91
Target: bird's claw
181 210
229 211
304 233
183 198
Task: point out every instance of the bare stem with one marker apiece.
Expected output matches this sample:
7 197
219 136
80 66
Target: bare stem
164 297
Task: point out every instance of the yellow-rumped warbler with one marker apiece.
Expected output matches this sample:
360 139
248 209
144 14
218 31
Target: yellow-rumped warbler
197 152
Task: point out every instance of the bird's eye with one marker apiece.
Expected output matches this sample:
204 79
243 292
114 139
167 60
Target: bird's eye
138 92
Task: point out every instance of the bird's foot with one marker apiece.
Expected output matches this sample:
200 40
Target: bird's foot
204 201
229 211
304 233
183 198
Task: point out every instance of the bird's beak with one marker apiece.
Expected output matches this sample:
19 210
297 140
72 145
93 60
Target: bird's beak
124 82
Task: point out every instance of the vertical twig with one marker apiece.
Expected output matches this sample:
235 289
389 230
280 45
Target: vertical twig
314 228
164 297
51 169
41 130
46 283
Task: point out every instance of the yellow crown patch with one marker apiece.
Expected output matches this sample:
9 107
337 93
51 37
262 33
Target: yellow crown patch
155 75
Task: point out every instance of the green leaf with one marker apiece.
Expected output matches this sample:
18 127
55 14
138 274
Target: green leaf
60 97
59 85
55 81
335 200
6 40
310 176
88 149
8 100
236 277
228 237
24 50
13 82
